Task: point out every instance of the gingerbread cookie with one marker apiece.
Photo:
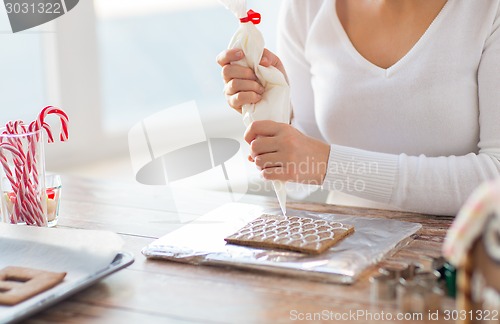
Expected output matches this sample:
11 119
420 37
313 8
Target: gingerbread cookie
301 234
18 284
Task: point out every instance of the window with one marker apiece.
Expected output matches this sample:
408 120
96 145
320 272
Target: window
21 72
111 63
156 53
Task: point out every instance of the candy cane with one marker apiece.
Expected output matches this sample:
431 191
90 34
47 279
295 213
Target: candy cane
17 155
14 150
30 204
15 208
33 128
5 165
63 136
16 216
20 202
32 144
27 203
20 210
11 129
19 125
30 155
40 123
20 186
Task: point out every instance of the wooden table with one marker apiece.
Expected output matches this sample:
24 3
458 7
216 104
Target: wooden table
164 292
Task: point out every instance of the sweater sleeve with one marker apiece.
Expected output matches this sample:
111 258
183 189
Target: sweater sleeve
433 185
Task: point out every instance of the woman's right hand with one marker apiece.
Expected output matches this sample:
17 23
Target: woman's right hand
241 84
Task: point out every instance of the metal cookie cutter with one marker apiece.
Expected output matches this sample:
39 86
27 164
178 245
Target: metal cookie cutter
419 291
415 289
411 270
410 296
393 269
430 288
382 286
427 279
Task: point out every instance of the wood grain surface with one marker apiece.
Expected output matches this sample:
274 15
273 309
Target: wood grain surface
151 291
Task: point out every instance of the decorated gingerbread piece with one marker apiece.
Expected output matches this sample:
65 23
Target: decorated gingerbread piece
472 245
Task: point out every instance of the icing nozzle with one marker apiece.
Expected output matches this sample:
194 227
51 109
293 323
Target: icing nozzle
280 189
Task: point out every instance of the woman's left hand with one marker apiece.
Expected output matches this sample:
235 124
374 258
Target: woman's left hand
281 152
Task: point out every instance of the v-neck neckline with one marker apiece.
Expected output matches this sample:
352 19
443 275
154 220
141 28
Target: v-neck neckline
394 67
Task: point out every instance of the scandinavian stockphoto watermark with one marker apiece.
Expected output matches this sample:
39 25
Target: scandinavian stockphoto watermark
349 176
345 176
26 14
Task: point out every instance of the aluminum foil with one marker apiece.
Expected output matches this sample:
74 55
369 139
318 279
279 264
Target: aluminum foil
202 242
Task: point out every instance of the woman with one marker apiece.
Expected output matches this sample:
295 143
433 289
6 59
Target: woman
394 101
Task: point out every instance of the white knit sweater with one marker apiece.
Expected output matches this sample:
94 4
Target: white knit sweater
420 135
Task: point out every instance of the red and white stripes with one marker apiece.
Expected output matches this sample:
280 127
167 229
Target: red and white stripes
19 149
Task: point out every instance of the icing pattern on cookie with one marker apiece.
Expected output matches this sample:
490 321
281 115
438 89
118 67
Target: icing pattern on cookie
301 233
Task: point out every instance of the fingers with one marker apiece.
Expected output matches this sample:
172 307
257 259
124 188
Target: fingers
241 92
241 85
235 71
261 128
269 150
243 98
268 160
230 55
281 152
269 58
236 54
262 145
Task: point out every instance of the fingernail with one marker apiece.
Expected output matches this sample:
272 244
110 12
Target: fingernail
264 60
261 90
238 54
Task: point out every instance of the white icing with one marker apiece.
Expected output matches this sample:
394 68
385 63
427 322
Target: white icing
488 296
492 237
491 299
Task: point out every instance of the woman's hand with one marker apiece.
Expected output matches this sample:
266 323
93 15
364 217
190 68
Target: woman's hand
283 153
241 84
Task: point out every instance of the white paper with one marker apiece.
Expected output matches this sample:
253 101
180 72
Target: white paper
275 102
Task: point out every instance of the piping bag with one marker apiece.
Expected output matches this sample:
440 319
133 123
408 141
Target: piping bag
275 102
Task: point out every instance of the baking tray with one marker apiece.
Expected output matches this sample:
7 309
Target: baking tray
14 314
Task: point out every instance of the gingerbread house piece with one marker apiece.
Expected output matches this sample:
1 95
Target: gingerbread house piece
472 245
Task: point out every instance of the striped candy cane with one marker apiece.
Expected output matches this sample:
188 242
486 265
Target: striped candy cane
17 156
25 207
49 110
21 162
24 178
